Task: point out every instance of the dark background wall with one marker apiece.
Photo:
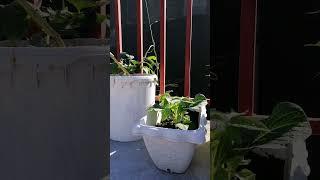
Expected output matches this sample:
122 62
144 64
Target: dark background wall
286 70
225 26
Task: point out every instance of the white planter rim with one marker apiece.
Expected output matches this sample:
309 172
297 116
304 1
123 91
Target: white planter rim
133 81
133 75
196 136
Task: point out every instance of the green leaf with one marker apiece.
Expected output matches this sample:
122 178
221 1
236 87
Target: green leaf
100 18
216 115
235 135
248 123
82 4
133 66
245 162
153 116
166 113
285 116
285 113
182 126
186 119
233 163
221 175
200 97
246 174
146 70
119 65
152 58
199 101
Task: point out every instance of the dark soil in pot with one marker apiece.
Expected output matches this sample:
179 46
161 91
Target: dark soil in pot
194 117
266 168
167 124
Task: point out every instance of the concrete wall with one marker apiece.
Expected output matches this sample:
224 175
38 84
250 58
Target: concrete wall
53 113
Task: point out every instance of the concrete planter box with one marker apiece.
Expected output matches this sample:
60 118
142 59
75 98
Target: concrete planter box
171 149
130 96
53 112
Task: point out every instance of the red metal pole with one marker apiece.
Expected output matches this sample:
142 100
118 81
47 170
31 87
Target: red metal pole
118 27
140 30
163 37
187 71
315 125
246 91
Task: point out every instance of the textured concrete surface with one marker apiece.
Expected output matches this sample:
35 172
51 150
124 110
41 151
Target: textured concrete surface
131 161
53 111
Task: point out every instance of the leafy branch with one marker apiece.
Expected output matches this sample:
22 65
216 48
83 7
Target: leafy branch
41 23
236 135
36 17
128 65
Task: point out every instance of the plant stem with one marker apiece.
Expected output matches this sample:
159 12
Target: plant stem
36 17
119 65
153 46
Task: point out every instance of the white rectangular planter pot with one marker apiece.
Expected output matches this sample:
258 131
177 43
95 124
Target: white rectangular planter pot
171 149
130 96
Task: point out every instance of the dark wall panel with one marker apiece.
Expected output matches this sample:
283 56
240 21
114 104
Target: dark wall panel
53 114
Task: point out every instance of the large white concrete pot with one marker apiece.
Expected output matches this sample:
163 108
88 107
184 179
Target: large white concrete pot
171 149
130 96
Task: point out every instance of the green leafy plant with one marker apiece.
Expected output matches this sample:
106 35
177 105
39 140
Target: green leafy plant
23 14
128 65
28 22
236 135
175 111
35 16
76 24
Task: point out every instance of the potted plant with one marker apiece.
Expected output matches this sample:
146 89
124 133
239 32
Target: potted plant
172 129
132 90
235 135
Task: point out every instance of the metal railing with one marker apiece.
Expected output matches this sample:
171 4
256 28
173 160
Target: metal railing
163 36
247 60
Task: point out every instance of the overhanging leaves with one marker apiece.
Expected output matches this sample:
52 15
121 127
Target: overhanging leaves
235 135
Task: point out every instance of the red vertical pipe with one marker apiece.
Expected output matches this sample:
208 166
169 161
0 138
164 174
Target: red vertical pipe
118 27
315 124
246 91
163 37
140 30
187 70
